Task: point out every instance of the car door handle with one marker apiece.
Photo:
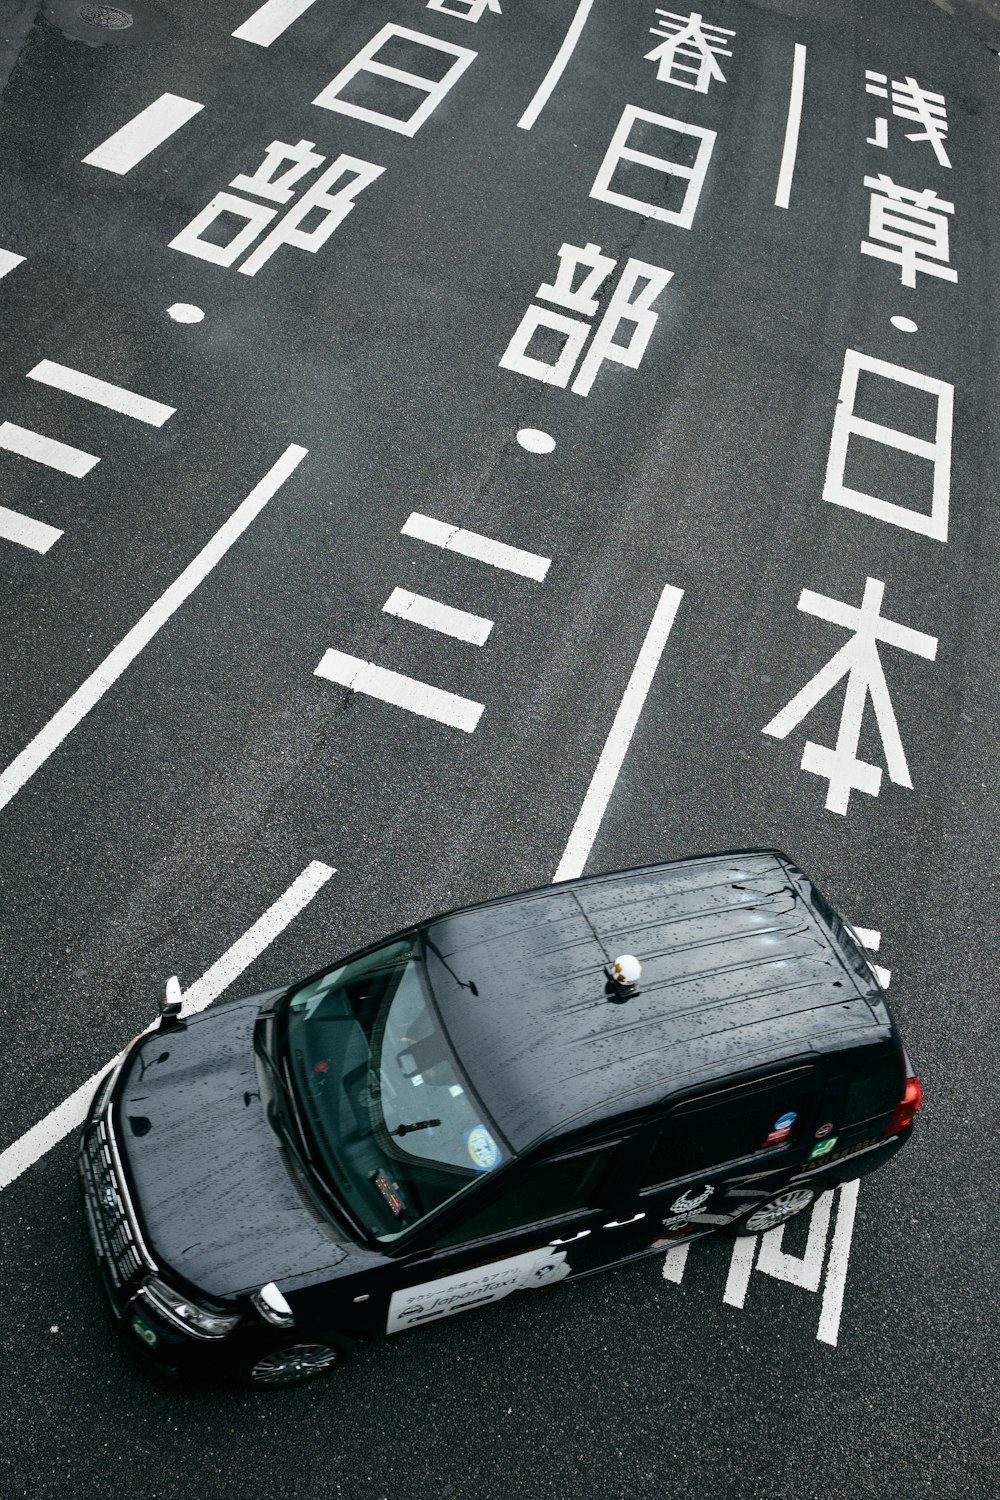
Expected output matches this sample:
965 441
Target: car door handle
580 1235
620 1223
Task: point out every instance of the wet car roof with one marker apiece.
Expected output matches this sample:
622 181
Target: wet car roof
738 969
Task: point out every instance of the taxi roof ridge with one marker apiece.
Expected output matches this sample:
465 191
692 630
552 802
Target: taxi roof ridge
741 966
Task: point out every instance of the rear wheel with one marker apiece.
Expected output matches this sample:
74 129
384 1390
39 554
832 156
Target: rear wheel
292 1365
777 1210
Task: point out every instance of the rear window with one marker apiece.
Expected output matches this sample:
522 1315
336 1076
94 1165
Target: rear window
875 1087
723 1126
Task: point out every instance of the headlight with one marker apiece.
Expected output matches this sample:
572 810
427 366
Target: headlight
185 1314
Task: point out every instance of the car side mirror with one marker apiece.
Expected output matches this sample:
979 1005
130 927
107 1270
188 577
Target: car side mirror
272 1306
169 1002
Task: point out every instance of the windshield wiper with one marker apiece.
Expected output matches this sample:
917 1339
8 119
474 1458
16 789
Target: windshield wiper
417 1125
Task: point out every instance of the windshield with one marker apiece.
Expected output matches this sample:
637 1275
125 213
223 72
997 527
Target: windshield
374 1075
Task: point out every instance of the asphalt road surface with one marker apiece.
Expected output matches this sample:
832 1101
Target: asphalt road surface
729 331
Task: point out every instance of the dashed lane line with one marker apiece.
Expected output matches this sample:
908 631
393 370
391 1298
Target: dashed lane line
65 720
480 548
45 450
273 18
602 784
101 392
141 135
786 171
69 1115
559 62
433 615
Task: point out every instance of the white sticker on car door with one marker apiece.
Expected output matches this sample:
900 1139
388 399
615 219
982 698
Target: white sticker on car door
452 1294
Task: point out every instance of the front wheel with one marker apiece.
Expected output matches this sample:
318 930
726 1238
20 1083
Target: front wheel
293 1365
775 1211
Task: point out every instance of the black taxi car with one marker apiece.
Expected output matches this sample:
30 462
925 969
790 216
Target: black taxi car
484 1104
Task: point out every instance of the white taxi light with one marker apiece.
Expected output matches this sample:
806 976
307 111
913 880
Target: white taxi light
183 1313
627 969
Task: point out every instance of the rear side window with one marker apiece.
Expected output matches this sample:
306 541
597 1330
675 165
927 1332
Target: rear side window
730 1123
874 1087
567 1185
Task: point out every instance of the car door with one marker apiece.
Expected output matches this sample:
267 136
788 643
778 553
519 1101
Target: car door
714 1155
539 1223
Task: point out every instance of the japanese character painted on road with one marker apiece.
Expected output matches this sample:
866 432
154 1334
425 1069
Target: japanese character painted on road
860 663
396 44
465 10
909 228
623 307
910 102
630 145
278 187
936 450
687 57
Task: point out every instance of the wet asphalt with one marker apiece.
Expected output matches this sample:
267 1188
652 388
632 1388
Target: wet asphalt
220 765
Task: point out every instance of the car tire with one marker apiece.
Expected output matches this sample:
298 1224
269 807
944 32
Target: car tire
775 1211
293 1364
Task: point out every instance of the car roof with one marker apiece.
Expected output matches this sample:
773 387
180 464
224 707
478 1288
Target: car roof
742 961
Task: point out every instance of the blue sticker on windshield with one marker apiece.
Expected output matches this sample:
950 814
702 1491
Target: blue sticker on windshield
785 1122
483 1148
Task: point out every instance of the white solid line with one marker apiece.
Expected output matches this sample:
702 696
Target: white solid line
271 20
555 72
8 260
836 1270
70 1114
423 611
49 738
404 692
619 738
471 544
45 450
27 533
116 397
149 129
791 145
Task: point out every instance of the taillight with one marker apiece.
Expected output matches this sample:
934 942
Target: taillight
907 1106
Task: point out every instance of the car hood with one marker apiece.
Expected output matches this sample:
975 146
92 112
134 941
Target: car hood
214 1195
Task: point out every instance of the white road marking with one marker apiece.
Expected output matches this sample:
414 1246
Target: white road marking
836 1270
185 312
471 544
434 89
102 392
149 129
435 616
49 738
70 1114
619 738
45 450
620 151
905 325
266 24
536 441
27 533
860 663
791 146
558 66
8 260
403 692
870 939
805 1271
936 450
